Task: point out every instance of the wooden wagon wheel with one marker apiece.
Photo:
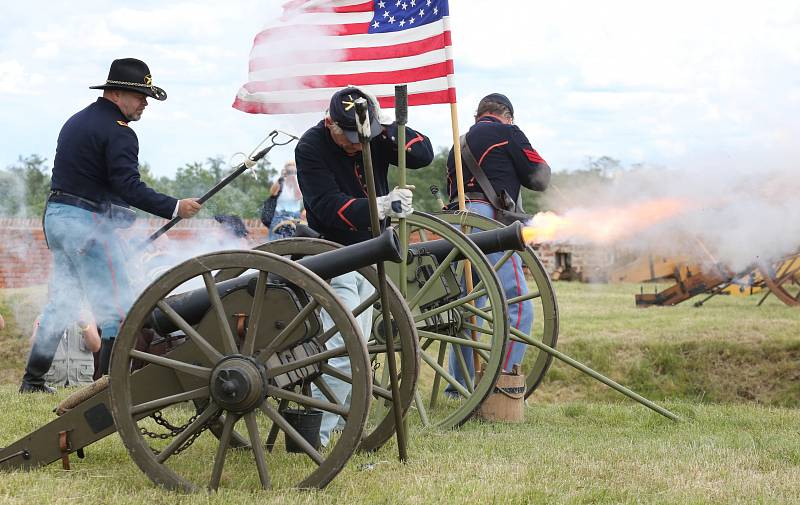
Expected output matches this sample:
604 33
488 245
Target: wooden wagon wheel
380 424
783 279
542 296
234 379
442 400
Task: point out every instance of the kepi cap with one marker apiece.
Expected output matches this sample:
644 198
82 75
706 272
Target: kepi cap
342 110
498 98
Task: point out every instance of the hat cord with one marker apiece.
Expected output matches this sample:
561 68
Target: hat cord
126 83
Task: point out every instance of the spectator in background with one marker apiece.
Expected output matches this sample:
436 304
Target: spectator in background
289 202
73 362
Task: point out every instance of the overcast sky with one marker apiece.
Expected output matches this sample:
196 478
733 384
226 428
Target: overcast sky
675 84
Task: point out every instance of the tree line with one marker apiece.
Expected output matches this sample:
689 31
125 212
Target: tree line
24 185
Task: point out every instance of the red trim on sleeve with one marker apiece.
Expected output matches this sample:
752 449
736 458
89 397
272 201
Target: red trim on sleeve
490 148
341 215
533 155
413 141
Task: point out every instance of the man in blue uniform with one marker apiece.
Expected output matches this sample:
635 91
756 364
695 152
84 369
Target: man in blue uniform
330 169
509 161
95 180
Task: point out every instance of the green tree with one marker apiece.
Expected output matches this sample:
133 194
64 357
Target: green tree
24 187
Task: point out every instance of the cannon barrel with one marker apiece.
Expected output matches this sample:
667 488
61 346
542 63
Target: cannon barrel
193 305
508 238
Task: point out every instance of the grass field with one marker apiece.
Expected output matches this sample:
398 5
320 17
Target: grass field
729 369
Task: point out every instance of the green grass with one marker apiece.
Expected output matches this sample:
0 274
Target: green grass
584 452
729 350
729 369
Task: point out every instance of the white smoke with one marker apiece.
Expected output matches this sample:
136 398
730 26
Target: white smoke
733 211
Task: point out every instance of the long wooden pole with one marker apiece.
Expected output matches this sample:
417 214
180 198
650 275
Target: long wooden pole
462 206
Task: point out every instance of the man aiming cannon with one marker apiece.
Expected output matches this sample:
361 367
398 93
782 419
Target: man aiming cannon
95 182
331 172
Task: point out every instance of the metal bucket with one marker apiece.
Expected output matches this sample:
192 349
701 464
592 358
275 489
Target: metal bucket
307 423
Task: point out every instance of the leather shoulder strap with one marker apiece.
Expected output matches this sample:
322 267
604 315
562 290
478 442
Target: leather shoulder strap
477 171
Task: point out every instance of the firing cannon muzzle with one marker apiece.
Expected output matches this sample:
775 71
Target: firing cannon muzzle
193 305
507 238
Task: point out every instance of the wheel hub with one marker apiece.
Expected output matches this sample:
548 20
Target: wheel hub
238 384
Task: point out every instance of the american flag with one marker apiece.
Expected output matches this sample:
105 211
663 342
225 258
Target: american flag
317 47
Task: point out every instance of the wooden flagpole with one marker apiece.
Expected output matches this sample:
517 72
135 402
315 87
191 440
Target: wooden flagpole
462 204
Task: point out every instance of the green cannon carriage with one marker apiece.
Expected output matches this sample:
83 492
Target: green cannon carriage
249 344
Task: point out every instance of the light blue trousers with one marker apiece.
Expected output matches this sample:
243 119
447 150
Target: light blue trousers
520 315
352 289
88 264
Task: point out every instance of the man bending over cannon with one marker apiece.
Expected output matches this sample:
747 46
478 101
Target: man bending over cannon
508 161
330 169
95 180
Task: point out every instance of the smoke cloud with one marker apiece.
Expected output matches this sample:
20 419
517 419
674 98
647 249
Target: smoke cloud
732 212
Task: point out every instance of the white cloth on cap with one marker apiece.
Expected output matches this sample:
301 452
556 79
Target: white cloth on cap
383 117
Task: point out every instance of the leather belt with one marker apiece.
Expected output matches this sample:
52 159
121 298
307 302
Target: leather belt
74 200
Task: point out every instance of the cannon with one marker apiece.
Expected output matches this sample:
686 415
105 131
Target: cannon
257 348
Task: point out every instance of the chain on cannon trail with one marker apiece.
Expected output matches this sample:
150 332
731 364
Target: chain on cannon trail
174 431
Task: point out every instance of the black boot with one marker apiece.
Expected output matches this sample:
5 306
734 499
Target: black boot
106 345
39 361
35 388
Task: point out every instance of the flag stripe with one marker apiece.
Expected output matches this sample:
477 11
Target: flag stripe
258 107
423 46
298 40
301 70
340 81
299 94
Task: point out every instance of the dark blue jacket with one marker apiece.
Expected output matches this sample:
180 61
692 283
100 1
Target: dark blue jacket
506 157
334 184
97 158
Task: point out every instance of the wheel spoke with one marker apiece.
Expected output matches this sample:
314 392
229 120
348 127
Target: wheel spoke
437 378
278 341
178 366
366 304
326 391
273 430
475 344
441 371
210 411
462 366
308 401
222 450
478 312
524 298
344 377
258 450
228 342
194 394
205 347
287 428
503 260
255 314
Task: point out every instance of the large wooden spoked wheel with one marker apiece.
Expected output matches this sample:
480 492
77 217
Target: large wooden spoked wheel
232 380
380 424
477 322
541 294
783 279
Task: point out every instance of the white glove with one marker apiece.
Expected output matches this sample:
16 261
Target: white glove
396 204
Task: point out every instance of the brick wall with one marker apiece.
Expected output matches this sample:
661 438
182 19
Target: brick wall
25 259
